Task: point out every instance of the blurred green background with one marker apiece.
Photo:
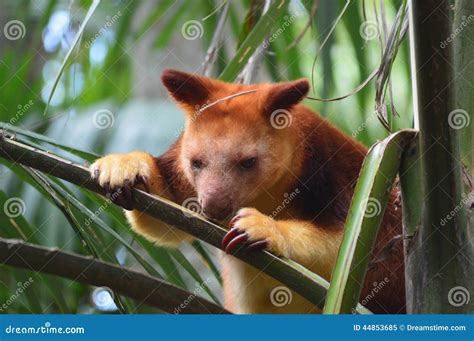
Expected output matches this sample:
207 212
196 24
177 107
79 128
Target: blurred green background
108 98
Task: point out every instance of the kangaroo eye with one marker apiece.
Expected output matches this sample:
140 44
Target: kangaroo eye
196 164
248 163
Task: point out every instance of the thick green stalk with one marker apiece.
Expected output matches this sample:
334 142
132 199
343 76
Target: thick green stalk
439 255
365 216
463 65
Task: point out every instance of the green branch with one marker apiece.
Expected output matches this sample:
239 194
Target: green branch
295 276
363 221
87 270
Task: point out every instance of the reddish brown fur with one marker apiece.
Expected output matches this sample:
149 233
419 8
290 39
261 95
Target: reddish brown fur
332 161
325 164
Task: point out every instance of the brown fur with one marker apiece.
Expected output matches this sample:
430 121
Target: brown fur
309 157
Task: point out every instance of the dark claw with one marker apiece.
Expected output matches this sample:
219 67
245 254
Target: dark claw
144 181
234 220
118 199
258 245
123 197
109 193
242 238
122 201
96 174
107 190
127 195
116 196
229 236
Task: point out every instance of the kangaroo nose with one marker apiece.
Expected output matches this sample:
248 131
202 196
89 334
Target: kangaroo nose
217 208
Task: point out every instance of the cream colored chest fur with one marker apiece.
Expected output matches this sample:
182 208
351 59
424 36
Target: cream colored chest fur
250 291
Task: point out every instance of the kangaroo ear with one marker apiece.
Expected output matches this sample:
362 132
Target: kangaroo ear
285 95
186 88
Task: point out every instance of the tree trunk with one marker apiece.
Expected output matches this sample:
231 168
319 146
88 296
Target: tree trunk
464 66
439 252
